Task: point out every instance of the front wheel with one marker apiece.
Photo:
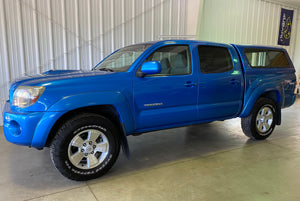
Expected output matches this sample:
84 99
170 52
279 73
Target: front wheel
261 122
85 147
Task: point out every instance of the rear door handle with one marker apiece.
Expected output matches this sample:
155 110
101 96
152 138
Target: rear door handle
190 84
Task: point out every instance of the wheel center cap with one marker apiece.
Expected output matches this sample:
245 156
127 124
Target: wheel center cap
89 149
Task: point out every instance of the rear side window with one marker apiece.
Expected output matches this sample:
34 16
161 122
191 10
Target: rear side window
264 58
214 59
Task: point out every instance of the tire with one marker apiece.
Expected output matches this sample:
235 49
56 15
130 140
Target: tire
260 124
85 147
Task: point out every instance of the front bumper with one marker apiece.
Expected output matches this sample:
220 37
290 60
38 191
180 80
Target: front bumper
19 127
28 128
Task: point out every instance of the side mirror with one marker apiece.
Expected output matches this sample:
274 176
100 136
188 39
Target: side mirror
150 68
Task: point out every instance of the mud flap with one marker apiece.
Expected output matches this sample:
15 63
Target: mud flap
124 142
278 120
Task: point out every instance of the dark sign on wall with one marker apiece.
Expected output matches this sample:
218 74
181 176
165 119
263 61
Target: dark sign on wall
285 27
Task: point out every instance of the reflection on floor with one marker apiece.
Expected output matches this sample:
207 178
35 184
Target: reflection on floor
212 161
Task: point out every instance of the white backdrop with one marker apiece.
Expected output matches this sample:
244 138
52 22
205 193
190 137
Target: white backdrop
38 35
245 22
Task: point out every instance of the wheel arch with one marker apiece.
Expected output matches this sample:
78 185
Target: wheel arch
107 111
274 95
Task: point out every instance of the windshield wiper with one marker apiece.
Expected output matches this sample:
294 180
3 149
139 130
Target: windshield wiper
106 69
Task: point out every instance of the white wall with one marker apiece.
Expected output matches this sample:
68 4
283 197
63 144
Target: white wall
244 22
297 49
38 35
193 10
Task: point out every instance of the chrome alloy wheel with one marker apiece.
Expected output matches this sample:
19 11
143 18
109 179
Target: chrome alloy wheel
88 149
264 119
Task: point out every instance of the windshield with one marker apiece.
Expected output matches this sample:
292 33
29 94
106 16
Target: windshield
121 60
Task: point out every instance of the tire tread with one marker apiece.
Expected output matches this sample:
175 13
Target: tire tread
247 125
60 137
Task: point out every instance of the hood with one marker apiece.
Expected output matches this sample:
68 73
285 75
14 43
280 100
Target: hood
63 83
52 75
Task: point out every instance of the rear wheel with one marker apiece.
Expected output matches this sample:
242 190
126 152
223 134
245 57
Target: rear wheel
261 122
85 147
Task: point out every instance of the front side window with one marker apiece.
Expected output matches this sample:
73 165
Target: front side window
214 59
174 60
264 58
121 60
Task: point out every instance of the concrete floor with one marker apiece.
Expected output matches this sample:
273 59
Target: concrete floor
207 162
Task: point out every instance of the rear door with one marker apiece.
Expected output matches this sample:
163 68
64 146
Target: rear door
220 82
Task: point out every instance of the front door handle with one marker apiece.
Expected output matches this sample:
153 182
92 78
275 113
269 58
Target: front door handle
190 84
234 81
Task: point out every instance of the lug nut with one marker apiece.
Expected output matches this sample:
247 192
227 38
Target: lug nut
84 144
92 152
85 154
82 150
94 146
90 142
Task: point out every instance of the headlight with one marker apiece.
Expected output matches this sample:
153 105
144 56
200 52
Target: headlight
25 96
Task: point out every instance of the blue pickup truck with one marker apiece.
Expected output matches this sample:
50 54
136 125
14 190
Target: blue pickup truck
85 117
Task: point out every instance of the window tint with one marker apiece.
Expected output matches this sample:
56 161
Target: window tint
214 59
174 60
262 58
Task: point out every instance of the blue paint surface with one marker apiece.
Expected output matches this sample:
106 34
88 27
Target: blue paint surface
151 102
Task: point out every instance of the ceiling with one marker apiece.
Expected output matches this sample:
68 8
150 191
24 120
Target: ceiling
290 2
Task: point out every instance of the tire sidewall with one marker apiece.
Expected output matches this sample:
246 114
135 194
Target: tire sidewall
260 104
69 132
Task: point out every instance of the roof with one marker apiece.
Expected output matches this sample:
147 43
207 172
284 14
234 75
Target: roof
179 41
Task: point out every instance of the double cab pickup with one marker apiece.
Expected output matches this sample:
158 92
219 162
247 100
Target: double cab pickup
86 116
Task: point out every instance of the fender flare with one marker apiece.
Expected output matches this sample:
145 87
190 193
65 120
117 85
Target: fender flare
252 95
69 103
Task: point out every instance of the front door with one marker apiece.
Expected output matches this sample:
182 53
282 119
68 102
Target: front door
170 97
